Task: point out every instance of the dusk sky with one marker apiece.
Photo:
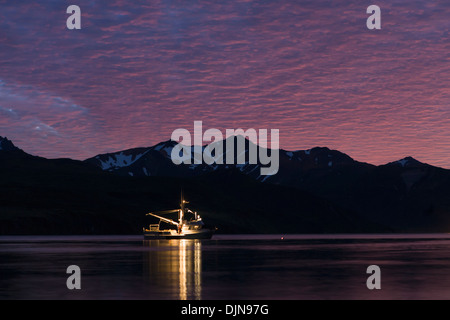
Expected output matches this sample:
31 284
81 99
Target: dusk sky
138 70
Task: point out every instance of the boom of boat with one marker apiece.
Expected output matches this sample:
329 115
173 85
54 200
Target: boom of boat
165 219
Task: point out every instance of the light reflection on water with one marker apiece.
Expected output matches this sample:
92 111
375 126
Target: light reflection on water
175 264
226 267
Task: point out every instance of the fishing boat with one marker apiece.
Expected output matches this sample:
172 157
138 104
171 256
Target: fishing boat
189 225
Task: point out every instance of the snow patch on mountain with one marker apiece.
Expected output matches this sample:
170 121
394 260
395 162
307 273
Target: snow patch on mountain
168 150
159 147
264 178
407 162
120 160
403 162
242 166
193 166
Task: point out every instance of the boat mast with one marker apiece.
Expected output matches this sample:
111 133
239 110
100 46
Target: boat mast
182 209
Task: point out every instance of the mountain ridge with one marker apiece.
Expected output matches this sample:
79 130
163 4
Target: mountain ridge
8 145
316 157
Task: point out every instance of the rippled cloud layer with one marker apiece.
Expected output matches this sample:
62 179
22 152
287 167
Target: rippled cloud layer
137 70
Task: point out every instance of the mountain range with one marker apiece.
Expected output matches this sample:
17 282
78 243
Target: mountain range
315 191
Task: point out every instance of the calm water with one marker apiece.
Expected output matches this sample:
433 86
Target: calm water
226 267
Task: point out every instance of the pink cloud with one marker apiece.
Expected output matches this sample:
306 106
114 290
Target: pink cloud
310 69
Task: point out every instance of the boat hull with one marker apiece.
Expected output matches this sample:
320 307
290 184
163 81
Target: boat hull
201 234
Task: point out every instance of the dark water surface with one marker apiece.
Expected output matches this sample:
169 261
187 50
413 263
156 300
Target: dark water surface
226 267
